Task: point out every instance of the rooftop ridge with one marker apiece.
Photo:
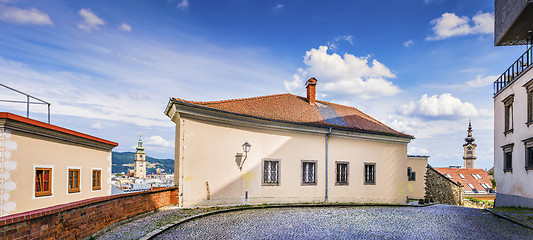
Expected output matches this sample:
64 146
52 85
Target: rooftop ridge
232 100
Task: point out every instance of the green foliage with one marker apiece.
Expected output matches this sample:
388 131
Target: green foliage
480 201
120 158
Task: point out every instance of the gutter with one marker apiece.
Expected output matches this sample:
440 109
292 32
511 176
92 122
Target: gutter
326 187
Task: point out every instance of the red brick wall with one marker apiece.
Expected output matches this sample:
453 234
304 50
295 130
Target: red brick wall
81 219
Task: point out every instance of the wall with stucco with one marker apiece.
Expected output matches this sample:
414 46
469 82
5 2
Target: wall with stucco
22 152
416 189
515 184
208 174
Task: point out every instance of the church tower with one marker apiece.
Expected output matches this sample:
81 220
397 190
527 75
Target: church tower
470 149
140 161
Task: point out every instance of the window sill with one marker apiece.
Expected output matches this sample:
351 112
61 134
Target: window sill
308 184
73 191
412 180
341 184
529 123
270 184
508 170
370 183
529 168
508 132
95 189
43 194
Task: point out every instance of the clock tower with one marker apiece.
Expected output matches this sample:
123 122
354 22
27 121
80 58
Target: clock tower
140 161
470 149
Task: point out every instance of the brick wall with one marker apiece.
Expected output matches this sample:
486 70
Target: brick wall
441 189
81 219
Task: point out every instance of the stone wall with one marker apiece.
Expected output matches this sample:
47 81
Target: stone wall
81 219
440 189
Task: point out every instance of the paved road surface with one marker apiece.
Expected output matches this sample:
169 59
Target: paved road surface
433 222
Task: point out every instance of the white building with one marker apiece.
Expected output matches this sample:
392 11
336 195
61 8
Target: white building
513 107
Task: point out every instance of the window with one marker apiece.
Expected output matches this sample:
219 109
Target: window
470 185
508 157
476 176
271 172
370 173
342 173
529 89
97 179
508 105
43 182
411 176
529 153
73 180
308 172
462 176
448 176
486 186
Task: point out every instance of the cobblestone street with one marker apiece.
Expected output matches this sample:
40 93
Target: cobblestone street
433 222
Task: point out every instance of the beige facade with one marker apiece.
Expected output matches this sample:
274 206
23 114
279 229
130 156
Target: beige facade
417 183
28 145
208 146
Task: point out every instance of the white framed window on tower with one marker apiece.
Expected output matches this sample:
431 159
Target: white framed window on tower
271 172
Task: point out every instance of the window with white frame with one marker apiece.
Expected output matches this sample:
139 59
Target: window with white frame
308 172
462 176
342 173
486 186
508 157
271 172
471 186
528 144
370 173
448 176
508 121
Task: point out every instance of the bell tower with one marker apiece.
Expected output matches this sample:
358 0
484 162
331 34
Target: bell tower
140 161
470 149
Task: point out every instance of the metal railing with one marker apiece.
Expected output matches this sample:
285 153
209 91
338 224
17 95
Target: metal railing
27 102
514 70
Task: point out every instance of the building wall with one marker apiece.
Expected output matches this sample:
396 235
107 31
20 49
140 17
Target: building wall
416 189
208 174
440 189
81 219
515 184
28 151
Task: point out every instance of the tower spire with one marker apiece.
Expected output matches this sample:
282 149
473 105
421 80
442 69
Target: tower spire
469 148
140 147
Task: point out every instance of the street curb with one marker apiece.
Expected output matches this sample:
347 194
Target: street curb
248 207
509 219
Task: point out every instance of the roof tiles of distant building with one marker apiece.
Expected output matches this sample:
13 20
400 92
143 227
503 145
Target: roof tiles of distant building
467 173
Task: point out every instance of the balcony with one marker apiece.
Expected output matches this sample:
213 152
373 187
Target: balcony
519 66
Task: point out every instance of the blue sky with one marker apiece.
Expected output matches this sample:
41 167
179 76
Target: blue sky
109 67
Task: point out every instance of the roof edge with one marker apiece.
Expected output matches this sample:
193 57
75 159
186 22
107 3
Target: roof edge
48 126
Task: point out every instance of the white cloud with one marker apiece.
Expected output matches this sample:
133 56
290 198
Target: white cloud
279 6
417 151
444 105
409 43
449 25
158 141
97 126
348 75
90 20
333 45
480 80
183 5
124 27
24 16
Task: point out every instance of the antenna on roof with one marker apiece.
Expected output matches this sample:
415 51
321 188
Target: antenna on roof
42 102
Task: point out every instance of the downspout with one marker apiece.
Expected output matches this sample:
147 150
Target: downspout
327 140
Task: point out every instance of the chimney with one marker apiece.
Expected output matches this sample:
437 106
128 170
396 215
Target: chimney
311 90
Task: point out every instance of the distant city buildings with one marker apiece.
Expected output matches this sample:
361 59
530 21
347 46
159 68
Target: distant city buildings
513 107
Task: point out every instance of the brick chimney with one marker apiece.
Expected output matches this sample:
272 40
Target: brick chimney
311 90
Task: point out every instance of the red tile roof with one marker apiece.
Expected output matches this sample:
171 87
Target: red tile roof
18 118
467 173
291 108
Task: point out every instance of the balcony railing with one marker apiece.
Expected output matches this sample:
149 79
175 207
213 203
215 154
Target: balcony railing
514 70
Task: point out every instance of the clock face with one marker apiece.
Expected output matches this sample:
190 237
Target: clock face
469 148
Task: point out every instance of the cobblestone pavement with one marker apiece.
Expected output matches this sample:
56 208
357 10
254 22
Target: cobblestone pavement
433 222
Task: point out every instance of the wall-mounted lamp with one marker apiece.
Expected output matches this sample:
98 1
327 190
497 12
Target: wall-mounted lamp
238 157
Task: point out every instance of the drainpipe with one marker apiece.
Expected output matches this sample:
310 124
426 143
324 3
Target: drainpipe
327 139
